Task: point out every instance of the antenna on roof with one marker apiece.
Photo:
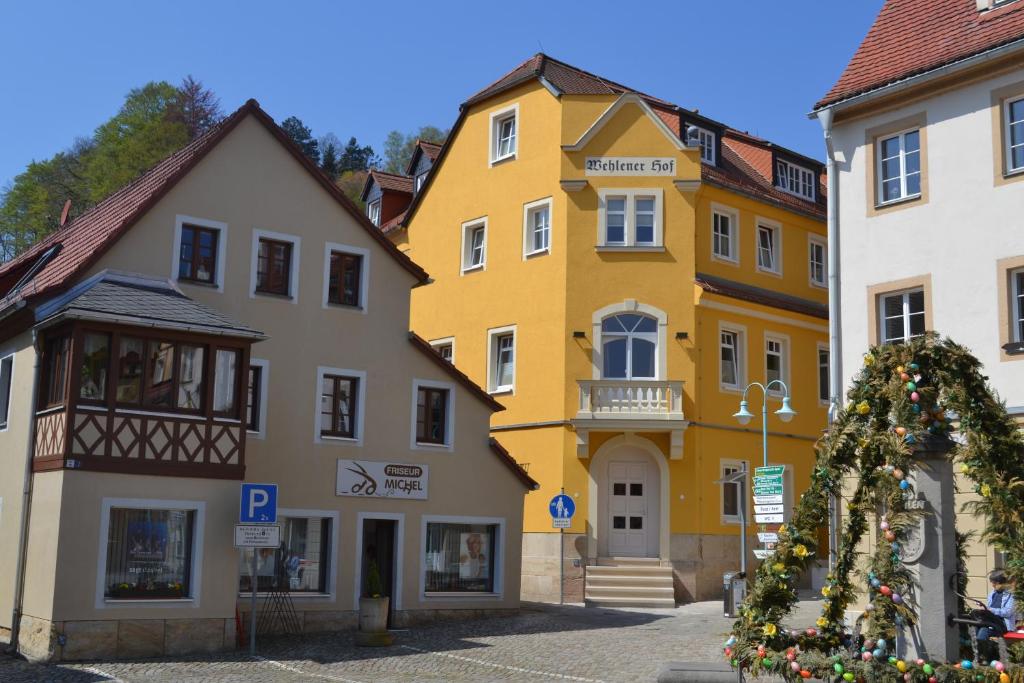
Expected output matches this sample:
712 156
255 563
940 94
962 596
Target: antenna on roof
64 213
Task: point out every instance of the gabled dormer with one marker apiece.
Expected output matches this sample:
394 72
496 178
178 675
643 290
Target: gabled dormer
386 195
423 157
702 131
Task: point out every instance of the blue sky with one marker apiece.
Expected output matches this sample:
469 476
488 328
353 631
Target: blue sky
365 68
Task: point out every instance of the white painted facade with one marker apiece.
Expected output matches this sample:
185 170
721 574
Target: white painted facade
956 234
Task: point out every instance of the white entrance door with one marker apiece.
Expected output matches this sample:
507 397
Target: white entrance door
627 509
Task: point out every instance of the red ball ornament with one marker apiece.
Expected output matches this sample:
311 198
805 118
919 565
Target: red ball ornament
905 377
811 632
890 536
885 590
805 674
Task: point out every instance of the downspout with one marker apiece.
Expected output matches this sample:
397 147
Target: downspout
835 345
26 505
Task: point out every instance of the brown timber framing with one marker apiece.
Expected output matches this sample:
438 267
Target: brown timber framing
109 418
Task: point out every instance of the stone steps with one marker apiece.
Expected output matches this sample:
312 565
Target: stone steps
629 582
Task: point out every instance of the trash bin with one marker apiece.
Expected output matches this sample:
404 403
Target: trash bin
734 590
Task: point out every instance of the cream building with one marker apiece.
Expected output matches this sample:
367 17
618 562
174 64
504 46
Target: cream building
229 316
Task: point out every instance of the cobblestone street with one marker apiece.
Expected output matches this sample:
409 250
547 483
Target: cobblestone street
543 643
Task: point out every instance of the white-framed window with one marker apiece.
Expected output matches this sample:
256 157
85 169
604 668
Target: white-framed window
629 347
346 278
340 406
504 135
474 245
150 552
256 398
433 415
794 179
706 139
274 267
537 227
776 360
501 359
823 375
1014 135
199 250
732 493
1016 306
769 248
462 556
6 383
420 180
630 218
899 166
445 347
373 211
306 557
732 355
725 234
901 316
817 261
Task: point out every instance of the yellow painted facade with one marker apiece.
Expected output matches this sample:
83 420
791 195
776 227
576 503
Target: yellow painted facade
555 301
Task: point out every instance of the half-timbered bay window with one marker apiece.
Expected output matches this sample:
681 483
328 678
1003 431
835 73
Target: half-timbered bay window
149 554
299 565
197 257
273 267
56 377
95 366
338 406
344 279
460 558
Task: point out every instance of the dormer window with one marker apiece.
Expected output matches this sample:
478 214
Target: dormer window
373 212
706 140
504 134
794 179
420 179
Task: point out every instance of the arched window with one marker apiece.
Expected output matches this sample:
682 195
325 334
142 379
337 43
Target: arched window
629 346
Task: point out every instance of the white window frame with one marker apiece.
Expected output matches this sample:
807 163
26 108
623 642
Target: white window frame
1007 139
222 249
905 294
630 195
373 211
357 440
399 540
733 258
879 161
529 210
785 170
1016 305
195 571
819 349
706 140
776 229
364 278
812 242
740 352
420 180
493 336
465 262
294 266
737 465
449 428
497 118
444 341
264 366
5 419
499 558
784 354
332 569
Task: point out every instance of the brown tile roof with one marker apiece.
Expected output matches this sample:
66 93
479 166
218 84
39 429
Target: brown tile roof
910 37
392 181
394 223
759 295
516 468
84 240
459 376
431 149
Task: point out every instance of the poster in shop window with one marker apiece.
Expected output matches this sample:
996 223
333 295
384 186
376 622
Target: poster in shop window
472 557
147 548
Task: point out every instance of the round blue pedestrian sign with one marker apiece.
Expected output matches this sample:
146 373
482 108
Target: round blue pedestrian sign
562 508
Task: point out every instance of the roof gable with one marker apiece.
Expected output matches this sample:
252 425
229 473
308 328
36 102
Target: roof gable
615 108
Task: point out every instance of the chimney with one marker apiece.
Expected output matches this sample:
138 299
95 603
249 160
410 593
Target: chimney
64 213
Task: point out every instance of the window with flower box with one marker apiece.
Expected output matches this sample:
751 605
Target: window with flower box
149 554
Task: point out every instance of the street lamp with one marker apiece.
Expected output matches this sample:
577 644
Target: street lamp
785 413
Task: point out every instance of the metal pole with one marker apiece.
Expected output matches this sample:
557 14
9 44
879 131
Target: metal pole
252 615
743 520
764 427
561 562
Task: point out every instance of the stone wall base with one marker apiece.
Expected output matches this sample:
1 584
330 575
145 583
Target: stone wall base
540 567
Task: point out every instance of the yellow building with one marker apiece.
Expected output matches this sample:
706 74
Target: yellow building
615 269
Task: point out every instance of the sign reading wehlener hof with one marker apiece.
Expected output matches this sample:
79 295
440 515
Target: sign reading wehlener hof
375 479
630 166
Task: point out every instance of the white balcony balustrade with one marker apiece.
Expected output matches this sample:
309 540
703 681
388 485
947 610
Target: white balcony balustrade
620 399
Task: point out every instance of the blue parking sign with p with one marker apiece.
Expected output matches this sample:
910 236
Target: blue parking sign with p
259 504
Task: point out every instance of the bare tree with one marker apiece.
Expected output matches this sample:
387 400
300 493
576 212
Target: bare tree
196 107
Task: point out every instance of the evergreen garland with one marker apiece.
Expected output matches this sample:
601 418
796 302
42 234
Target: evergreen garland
905 394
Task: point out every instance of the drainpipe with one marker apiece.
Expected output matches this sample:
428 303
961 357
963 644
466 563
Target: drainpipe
835 346
26 505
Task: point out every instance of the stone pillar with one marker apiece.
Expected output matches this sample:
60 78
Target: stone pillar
930 553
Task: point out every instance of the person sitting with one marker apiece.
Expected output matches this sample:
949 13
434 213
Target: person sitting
999 604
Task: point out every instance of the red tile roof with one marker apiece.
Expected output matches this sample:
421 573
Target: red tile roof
84 240
516 468
431 149
393 224
459 376
759 295
392 181
910 37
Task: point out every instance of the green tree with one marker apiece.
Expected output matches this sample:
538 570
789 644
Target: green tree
356 157
142 133
351 183
398 148
302 136
330 148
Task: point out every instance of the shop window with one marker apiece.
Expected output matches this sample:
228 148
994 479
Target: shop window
149 554
94 367
299 565
460 558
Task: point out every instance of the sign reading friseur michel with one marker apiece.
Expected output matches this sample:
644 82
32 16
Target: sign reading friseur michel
376 479
630 166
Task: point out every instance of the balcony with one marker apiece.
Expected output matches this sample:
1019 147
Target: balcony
632 406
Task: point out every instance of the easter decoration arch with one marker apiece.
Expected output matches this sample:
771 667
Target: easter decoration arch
904 398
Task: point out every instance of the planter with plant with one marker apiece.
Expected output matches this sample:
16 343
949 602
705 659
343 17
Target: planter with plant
373 611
